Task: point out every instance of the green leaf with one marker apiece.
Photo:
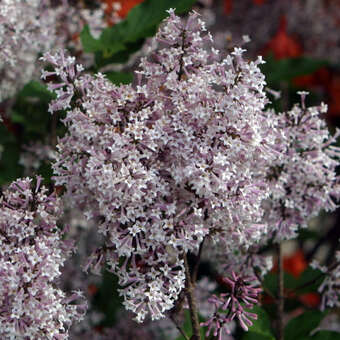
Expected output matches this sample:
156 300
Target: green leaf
107 299
306 234
89 43
302 325
119 77
187 326
9 159
312 278
143 19
256 336
141 22
270 282
119 57
287 69
36 89
261 327
324 335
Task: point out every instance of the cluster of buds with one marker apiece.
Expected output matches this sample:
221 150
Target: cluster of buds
231 305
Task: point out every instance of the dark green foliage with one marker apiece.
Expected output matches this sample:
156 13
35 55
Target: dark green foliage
301 326
119 77
118 42
287 69
261 328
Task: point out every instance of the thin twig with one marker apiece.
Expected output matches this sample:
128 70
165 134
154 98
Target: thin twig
280 299
266 290
316 279
197 264
54 122
190 293
172 318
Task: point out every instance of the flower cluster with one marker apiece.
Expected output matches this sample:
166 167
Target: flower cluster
32 252
231 305
28 28
181 156
34 155
23 33
329 288
303 180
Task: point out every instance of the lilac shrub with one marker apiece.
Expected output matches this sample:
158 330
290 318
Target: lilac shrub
188 154
32 254
177 158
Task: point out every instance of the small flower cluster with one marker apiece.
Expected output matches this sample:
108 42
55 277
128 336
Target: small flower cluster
231 305
181 156
31 254
24 31
28 28
34 155
303 179
330 287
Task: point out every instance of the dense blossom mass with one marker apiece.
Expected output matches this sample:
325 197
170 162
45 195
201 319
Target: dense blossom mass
31 254
189 153
181 156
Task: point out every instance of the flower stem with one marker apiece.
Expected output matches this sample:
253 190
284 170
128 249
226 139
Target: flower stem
280 299
197 264
172 318
190 293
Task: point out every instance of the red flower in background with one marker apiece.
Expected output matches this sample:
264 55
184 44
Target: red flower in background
228 6
124 7
319 78
92 289
295 264
283 45
311 300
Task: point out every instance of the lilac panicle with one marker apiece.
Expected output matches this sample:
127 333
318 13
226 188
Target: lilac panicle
188 153
303 180
330 286
28 28
32 253
229 306
168 162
